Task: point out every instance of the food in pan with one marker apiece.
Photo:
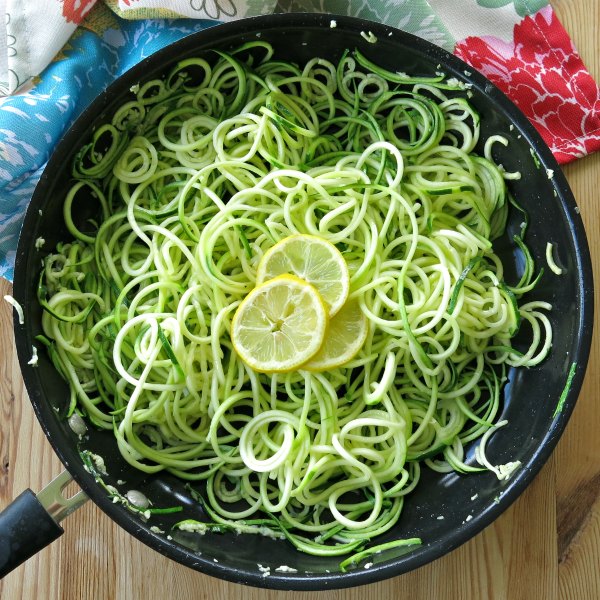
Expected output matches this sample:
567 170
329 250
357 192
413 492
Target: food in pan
282 287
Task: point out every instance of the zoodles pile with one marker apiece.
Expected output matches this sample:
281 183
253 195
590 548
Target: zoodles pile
189 184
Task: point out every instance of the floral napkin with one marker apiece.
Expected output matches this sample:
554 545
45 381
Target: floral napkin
57 55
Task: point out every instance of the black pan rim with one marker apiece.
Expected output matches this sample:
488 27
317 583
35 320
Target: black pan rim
425 553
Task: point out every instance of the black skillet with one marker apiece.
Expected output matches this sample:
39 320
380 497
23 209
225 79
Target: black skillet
467 503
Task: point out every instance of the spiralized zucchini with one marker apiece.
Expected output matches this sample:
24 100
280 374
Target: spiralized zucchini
194 178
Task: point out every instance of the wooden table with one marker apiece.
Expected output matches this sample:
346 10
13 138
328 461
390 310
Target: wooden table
546 546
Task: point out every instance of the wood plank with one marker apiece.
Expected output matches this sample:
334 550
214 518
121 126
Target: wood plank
578 453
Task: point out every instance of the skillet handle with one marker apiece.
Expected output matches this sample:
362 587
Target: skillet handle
30 522
25 528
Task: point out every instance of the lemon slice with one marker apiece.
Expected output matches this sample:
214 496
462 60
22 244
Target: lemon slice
345 336
314 260
279 325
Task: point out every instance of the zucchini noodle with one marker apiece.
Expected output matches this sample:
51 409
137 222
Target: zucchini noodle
550 260
197 175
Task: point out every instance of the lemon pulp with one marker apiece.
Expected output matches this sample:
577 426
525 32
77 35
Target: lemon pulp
344 338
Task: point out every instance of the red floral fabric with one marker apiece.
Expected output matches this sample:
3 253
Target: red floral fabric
545 77
75 10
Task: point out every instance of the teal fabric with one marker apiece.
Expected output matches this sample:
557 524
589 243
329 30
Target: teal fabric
522 7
